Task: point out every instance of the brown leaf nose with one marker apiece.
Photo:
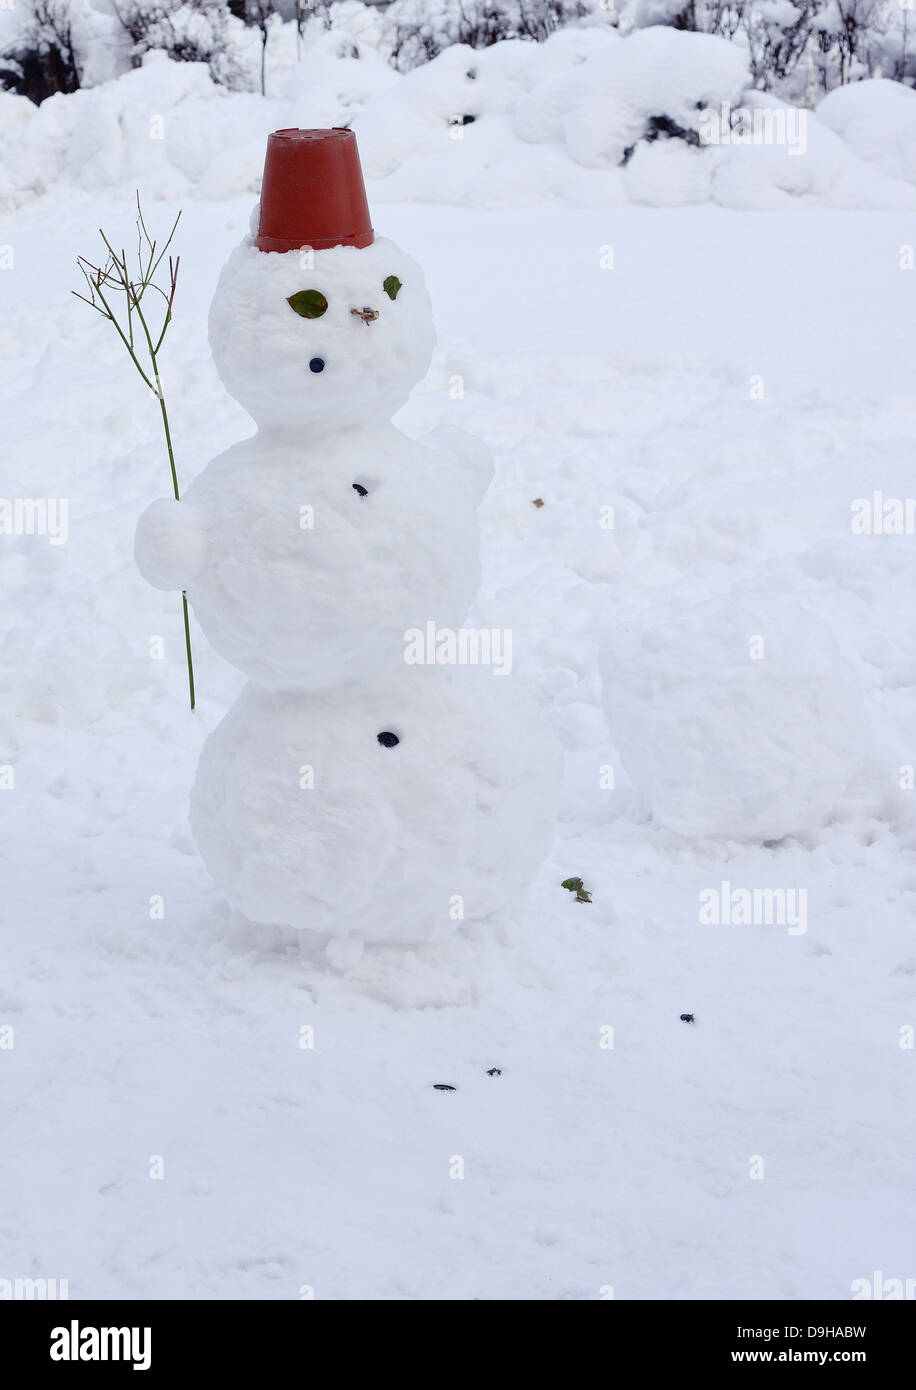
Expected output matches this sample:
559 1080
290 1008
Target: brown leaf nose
367 315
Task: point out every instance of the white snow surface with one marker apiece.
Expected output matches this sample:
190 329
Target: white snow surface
729 388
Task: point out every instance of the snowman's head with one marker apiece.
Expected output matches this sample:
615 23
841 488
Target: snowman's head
321 338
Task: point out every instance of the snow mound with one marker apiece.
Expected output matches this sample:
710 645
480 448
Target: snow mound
586 118
732 718
165 127
656 79
170 130
877 121
790 157
15 113
668 173
445 132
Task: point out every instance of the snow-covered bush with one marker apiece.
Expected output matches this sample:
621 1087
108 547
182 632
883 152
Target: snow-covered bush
264 15
779 36
697 16
195 31
597 97
42 59
652 86
895 46
445 130
854 26
419 30
775 33
796 46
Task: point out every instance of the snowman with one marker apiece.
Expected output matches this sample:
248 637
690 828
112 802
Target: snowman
307 549
347 792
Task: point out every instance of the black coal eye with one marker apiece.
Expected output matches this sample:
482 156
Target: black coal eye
308 304
391 284
363 492
316 364
388 740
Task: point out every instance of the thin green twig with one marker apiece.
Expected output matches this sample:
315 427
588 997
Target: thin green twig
114 276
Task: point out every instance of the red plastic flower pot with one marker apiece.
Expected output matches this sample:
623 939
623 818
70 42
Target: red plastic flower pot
312 192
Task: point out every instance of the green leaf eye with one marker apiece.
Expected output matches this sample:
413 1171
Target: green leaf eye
309 304
391 285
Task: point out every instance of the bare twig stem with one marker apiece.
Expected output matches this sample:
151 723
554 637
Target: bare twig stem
115 276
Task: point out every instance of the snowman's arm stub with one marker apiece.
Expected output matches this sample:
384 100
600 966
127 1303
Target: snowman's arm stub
169 545
467 450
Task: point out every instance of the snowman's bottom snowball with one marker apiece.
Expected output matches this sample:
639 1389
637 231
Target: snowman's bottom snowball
305 819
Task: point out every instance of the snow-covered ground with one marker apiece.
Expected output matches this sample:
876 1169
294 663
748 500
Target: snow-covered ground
179 1034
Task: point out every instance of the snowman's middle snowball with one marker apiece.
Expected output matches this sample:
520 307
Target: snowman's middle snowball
301 581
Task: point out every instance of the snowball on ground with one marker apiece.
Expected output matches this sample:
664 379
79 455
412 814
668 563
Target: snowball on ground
734 719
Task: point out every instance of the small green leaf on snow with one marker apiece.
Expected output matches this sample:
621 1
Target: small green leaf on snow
575 885
308 304
391 284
